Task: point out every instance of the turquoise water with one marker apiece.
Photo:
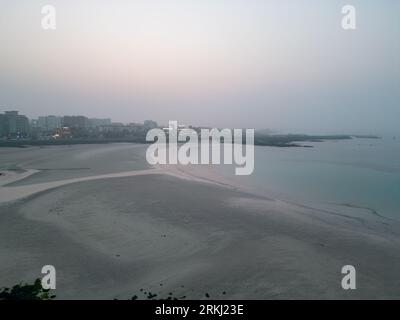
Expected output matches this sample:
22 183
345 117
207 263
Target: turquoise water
359 172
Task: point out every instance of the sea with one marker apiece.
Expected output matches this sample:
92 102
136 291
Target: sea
359 172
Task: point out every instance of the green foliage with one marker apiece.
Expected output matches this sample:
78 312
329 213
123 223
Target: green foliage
148 295
24 291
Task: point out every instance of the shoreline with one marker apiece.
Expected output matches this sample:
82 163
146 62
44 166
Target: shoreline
204 237
16 193
175 229
193 173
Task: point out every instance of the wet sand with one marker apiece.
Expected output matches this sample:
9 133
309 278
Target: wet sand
163 230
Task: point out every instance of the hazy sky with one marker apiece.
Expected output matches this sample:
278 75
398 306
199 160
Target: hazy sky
284 64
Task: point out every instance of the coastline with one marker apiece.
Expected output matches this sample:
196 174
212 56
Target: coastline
198 234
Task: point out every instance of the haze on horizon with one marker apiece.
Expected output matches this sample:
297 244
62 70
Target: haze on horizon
280 64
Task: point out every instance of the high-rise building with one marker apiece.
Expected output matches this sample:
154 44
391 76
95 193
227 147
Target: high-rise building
23 127
3 126
53 122
35 123
11 119
13 125
94 123
41 123
76 122
49 123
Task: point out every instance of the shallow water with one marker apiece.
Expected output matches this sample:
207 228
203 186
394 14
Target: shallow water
358 172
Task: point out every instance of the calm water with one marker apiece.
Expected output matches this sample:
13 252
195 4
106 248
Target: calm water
360 172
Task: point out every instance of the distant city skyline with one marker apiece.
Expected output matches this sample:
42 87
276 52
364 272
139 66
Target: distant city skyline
44 117
15 127
280 64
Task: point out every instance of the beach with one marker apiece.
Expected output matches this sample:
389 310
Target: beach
112 225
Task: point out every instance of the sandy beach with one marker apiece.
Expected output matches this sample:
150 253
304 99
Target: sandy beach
112 225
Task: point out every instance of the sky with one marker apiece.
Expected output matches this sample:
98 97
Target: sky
286 65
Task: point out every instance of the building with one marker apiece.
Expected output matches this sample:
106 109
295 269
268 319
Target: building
53 122
94 123
41 123
121 128
75 122
11 122
3 126
49 123
34 123
23 127
14 125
